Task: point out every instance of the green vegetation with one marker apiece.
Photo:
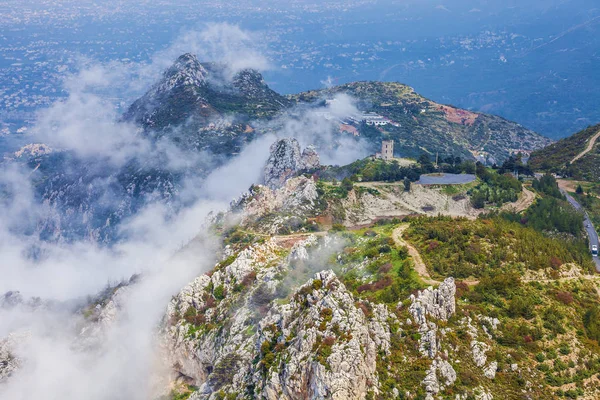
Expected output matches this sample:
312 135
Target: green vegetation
547 185
485 247
183 393
514 164
388 277
556 158
494 188
550 215
591 322
369 169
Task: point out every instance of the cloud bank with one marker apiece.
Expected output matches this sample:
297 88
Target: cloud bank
167 247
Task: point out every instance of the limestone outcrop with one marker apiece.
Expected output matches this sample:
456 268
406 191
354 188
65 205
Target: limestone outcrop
286 160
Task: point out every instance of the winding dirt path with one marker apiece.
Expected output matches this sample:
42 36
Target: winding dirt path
527 198
420 266
589 147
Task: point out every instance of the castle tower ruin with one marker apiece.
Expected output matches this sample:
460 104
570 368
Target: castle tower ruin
387 150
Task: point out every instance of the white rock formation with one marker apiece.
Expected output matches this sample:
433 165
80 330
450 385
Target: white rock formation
286 160
310 158
297 197
438 303
490 370
319 344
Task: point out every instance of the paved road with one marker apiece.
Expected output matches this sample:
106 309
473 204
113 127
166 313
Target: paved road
589 227
446 179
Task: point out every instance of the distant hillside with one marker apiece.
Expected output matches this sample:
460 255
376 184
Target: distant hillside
199 105
426 126
568 157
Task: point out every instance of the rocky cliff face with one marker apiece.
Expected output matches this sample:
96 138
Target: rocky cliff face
246 330
286 160
320 344
272 211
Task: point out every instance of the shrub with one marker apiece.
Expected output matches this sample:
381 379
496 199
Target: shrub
249 279
338 228
403 253
564 297
220 292
553 320
192 316
326 314
385 268
555 262
521 307
591 322
329 341
365 308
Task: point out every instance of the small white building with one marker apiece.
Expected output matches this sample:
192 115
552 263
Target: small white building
370 118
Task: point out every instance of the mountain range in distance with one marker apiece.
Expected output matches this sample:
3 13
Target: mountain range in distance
201 96
209 108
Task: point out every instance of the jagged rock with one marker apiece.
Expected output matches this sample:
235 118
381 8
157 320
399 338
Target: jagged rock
438 303
320 344
11 299
428 343
283 163
346 368
446 371
478 350
482 394
296 199
432 383
286 160
490 370
488 321
310 158
299 250
193 92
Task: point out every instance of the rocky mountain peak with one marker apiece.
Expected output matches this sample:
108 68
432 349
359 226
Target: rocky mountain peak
187 71
250 83
286 160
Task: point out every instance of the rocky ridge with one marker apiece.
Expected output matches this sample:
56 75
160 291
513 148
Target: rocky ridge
286 161
319 344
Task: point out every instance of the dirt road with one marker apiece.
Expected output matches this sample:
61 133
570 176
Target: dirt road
589 147
420 266
527 198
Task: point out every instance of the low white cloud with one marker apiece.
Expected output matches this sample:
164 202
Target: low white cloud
167 245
